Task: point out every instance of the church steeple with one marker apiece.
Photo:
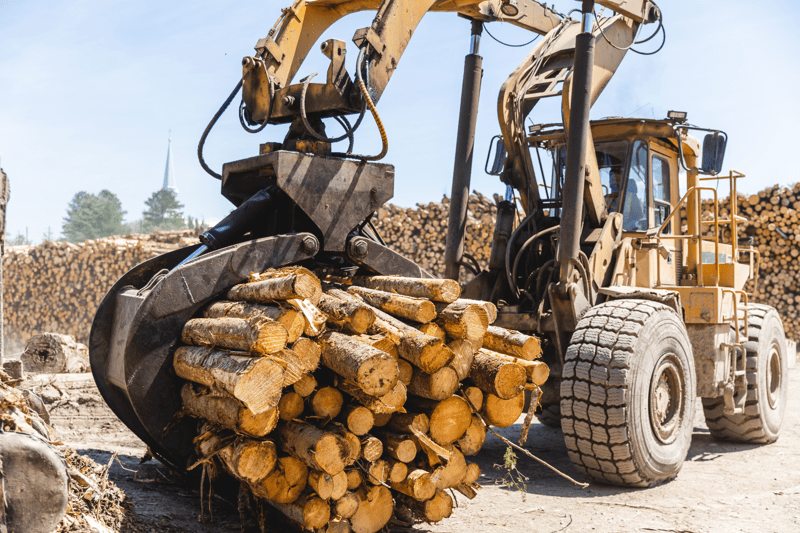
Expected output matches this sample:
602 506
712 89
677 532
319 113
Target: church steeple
169 172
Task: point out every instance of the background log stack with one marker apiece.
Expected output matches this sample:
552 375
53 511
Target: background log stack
344 404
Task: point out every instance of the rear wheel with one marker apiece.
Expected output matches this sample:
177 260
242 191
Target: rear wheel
767 384
628 389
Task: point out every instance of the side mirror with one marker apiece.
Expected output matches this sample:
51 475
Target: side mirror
497 146
713 152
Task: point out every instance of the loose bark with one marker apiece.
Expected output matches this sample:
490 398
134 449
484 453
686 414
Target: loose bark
418 485
416 309
292 320
286 481
315 319
438 290
254 381
349 315
347 505
52 353
463 320
502 413
305 386
496 375
261 336
464 353
250 460
226 411
449 419
326 402
291 406
374 509
371 448
437 386
358 419
307 511
316 448
472 441
373 370
386 404
513 343
278 285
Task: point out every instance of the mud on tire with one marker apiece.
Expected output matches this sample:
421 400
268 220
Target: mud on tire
767 384
628 391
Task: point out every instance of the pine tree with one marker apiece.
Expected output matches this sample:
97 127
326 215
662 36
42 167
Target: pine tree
91 216
163 212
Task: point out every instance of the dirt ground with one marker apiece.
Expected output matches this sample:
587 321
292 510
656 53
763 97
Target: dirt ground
722 487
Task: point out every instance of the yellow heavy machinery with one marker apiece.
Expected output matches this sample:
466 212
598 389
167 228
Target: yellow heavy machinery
639 313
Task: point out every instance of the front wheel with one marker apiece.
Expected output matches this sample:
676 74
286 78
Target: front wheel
767 384
628 389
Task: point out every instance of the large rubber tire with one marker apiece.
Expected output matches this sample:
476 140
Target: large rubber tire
628 394
767 384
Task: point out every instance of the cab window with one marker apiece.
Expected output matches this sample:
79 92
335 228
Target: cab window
611 157
661 192
635 207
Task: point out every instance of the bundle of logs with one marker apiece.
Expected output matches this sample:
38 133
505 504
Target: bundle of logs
346 403
773 221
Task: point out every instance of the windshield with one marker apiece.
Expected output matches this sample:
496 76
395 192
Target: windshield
611 158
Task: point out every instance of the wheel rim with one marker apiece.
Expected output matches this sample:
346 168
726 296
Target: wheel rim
666 399
774 376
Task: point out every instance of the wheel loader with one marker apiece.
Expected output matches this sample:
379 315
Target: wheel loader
639 311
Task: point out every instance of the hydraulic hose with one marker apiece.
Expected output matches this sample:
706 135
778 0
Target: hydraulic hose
210 126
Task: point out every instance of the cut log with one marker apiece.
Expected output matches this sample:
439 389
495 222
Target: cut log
338 524
438 290
326 402
439 507
326 486
381 419
358 419
308 353
52 353
475 397
353 441
347 314
498 376
502 413
473 473
463 320
291 406
225 411
261 336
472 441
464 353
403 422
468 490
416 309
386 404
489 307
511 342
316 448
449 419
250 460
310 512
278 285
289 318
437 386
375 508
398 470
373 370
371 448
305 385
315 319
536 371
347 505
418 485
377 472
255 381
406 372
286 481
354 479
381 342
452 472
400 447
433 329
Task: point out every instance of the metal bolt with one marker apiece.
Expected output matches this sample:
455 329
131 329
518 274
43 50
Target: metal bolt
310 245
288 101
359 248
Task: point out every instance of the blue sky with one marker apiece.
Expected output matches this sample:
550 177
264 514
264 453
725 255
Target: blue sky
89 91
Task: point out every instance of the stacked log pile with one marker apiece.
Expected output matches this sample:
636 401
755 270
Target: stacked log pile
342 405
57 286
773 221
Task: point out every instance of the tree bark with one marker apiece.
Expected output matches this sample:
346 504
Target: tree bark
417 309
374 371
513 343
438 290
498 376
261 336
